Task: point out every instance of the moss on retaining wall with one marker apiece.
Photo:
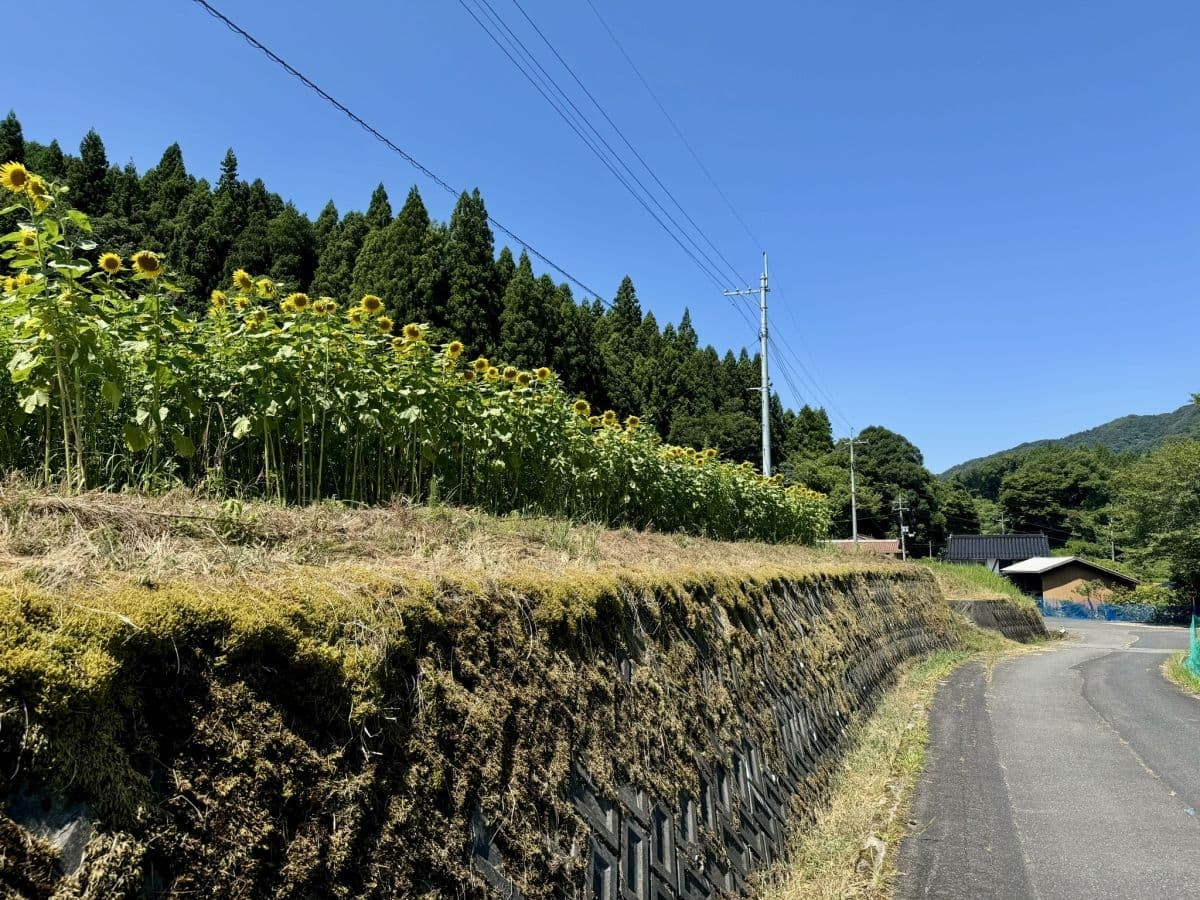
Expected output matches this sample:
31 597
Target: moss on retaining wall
310 738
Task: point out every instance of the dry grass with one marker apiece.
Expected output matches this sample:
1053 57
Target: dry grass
60 541
850 850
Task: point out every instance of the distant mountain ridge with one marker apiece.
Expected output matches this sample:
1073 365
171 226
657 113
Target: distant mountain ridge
1128 434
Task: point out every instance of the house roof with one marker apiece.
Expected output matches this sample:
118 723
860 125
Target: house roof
875 545
973 547
1040 565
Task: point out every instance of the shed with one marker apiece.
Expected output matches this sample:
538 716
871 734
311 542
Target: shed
1064 578
995 551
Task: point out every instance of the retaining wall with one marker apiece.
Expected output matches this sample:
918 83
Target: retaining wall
1018 623
624 739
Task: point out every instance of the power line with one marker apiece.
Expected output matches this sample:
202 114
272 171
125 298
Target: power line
706 266
383 139
628 143
678 131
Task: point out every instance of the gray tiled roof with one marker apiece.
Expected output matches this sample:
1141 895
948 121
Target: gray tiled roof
977 547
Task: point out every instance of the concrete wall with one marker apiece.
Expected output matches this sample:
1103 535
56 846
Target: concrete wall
1064 583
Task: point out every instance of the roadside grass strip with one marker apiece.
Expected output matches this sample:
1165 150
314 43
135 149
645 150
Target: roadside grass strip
849 850
1175 669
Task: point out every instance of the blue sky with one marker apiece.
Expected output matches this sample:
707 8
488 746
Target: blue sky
982 219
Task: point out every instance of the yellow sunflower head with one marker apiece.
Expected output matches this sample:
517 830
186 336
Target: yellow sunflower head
24 279
241 301
455 349
147 264
265 288
469 375
412 332
582 408
710 453
610 417
242 280
10 284
491 375
287 305
14 177
28 240
594 421
218 300
384 324
110 263
632 423
38 192
299 301
543 374
481 364
510 373
524 379
399 345
371 304
356 315
325 306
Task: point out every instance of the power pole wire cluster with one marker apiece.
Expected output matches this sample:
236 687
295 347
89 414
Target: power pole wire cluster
900 508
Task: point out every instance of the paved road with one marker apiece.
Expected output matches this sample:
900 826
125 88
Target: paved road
1073 772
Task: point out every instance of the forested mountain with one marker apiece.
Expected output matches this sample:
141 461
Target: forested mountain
1128 434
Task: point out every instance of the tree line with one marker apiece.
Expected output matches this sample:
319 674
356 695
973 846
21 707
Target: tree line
445 274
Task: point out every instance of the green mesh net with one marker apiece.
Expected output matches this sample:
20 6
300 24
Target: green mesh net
1193 659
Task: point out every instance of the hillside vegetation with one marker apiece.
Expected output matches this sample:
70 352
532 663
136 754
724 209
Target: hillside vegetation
275 394
1128 434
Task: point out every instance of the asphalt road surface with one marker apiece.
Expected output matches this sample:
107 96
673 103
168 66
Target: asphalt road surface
1069 772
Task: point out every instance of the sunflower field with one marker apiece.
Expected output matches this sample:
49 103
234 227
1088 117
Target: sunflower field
286 396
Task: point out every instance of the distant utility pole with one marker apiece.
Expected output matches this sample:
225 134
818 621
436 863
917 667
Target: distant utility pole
852 440
902 509
766 381
1112 541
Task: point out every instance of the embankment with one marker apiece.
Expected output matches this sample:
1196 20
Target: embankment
364 729
1018 622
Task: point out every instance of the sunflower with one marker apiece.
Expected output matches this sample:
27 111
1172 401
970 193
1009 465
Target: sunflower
510 373
23 279
371 304
455 349
242 280
543 374
265 288
710 453
610 417
218 299
384 324
147 263
325 306
10 284
28 240
481 364
632 423
356 315
299 301
14 177
492 375
524 379
288 306
594 421
413 332
582 408
38 192
468 375
110 263
398 345
547 399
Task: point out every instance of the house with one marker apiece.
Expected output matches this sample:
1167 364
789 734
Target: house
995 551
1066 578
882 547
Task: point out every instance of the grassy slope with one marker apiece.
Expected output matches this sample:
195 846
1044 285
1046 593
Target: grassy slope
1177 672
974 583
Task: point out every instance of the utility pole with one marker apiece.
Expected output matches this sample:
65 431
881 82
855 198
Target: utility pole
1112 542
762 352
852 440
902 509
